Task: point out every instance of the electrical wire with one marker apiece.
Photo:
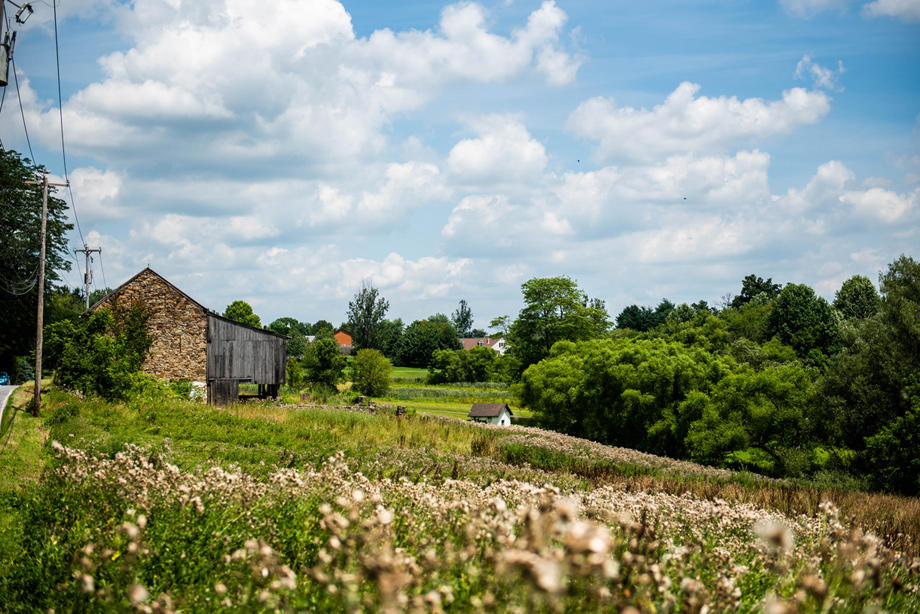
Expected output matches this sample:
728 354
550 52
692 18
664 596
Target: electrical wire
57 61
21 111
104 282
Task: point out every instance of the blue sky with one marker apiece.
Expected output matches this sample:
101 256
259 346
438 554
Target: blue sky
285 152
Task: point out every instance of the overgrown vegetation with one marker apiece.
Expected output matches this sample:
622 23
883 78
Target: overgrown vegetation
778 382
162 504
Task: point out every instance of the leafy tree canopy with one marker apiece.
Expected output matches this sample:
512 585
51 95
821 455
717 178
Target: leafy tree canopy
423 337
241 311
462 319
803 320
288 326
371 373
323 363
366 313
751 286
555 309
20 221
857 298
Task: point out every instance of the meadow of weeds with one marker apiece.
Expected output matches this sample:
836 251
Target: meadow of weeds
161 505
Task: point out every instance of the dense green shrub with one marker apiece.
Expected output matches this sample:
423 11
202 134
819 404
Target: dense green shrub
323 362
101 352
474 365
371 373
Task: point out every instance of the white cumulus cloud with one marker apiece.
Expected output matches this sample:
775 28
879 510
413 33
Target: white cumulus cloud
687 123
905 10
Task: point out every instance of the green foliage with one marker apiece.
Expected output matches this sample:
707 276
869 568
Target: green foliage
644 319
555 309
630 392
754 418
290 326
423 337
294 372
462 319
857 298
371 373
297 344
323 362
20 221
901 306
893 454
322 328
391 332
803 320
750 320
241 311
101 353
474 365
753 286
365 317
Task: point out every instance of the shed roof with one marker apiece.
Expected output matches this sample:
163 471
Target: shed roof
488 410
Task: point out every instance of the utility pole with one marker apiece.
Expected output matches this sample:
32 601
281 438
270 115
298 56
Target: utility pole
87 277
36 407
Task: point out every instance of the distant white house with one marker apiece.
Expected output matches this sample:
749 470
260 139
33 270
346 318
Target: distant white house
496 343
491 413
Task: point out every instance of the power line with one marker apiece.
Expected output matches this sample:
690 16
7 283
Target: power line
57 62
104 282
21 111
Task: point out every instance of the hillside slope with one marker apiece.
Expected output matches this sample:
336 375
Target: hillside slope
164 505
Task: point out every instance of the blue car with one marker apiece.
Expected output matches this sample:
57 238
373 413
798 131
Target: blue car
4 379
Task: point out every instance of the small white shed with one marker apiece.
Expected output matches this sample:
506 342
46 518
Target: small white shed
491 413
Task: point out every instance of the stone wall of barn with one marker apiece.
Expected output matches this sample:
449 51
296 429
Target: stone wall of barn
178 325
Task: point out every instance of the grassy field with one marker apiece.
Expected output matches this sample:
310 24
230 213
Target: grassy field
164 505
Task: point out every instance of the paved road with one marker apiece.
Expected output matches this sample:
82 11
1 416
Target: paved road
5 392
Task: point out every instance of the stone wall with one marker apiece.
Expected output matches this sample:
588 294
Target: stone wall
177 324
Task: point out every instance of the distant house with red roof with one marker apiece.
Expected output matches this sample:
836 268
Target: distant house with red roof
496 343
345 341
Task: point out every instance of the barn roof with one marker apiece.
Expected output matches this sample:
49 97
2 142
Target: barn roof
207 311
488 410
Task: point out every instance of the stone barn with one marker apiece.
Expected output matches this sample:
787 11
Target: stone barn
190 342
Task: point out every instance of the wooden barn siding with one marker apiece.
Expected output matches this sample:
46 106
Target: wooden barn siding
240 353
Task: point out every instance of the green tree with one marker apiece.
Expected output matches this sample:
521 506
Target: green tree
97 295
391 332
630 392
100 353
474 365
636 318
20 224
445 366
864 385
322 328
644 319
757 420
323 362
893 454
803 320
288 326
366 314
555 309
462 319
423 337
241 311
751 319
297 344
901 306
751 286
501 325
857 298
371 373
